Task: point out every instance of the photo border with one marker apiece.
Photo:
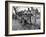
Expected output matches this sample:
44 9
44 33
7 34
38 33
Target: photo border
6 18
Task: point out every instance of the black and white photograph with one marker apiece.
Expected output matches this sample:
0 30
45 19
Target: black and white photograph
25 18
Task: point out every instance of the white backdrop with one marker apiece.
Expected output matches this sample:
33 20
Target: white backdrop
2 19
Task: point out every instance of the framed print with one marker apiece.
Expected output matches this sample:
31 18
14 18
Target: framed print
24 18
